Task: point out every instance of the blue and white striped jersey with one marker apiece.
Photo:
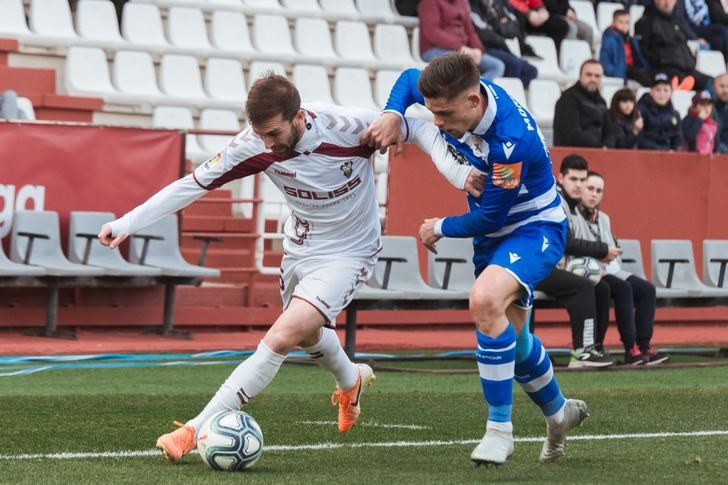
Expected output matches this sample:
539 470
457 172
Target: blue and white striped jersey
508 147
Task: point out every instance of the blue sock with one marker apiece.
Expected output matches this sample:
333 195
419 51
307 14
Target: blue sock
536 375
496 360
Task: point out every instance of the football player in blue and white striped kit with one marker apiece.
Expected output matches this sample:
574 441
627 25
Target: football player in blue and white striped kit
518 228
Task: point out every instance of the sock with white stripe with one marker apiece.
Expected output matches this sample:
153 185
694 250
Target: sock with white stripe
496 360
536 375
246 381
327 353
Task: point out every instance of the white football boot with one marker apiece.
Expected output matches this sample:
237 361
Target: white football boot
495 447
575 411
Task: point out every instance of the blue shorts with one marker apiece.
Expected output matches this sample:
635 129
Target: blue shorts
529 253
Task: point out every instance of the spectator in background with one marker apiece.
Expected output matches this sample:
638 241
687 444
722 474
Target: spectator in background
720 87
534 18
698 126
716 34
717 12
664 42
577 28
634 298
581 118
662 129
9 109
620 54
445 27
494 22
626 119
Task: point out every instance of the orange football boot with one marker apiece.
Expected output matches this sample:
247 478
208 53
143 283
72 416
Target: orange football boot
178 443
350 401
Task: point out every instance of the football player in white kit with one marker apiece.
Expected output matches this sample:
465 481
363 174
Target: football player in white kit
332 237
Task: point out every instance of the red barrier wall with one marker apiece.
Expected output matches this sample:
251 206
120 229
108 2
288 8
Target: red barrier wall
65 167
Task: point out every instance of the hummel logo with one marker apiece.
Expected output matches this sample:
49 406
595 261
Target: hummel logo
508 148
545 244
513 257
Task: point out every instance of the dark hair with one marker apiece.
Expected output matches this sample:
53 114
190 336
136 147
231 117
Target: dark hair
573 162
624 94
448 76
594 173
619 13
271 95
586 63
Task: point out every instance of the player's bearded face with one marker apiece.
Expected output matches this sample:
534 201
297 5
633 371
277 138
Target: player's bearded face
280 135
455 116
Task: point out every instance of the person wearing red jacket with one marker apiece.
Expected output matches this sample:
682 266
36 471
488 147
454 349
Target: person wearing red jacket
536 19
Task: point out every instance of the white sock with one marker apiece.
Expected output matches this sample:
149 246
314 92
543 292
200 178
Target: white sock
506 427
557 417
246 381
329 354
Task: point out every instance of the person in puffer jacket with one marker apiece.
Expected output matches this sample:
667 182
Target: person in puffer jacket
699 127
662 130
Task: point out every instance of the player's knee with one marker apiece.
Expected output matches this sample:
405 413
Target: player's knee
279 343
483 304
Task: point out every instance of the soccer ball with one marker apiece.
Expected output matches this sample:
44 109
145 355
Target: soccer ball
230 441
586 267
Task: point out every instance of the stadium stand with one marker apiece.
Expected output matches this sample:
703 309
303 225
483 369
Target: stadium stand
715 261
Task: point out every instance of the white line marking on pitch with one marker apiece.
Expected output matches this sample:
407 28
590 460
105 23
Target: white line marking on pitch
386 444
371 424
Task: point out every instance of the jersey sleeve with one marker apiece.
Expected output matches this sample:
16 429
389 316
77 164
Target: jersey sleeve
404 93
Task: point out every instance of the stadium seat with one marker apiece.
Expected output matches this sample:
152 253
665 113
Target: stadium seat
87 72
259 68
180 118
375 8
635 13
217 119
416 44
179 76
229 31
12 18
352 41
514 47
711 63
715 263
10 268
52 18
312 83
339 7
633 262
274 204
263 4
605 11
673 266
45 250
224 80
85 248
134 73
681 101
96 20
142 24
391 44
186 28
380 185
608 91
584 10
272 35
26 106
352 87
164 253
235 3
514 87
312 38
542 97
311 6
548 65
573 53
383 82
454 263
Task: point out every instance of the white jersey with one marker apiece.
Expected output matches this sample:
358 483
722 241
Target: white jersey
327 181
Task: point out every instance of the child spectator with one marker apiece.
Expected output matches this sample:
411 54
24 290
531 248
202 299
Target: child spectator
662 129
620 53
626 119
698 126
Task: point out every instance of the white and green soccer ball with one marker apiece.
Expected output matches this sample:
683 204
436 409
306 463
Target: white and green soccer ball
586 267
230 441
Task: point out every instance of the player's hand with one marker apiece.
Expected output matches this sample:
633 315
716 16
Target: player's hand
384 132
474 183
612 253
107 239
427 234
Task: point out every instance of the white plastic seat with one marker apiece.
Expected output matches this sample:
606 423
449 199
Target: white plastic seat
684 276
134 73
258 68
375 8
380 185
584 11
457 254
263 4
352 41
548 65
52 18
715 254
46 250
681 101
229 31
179 76
186 28
608 91
26 106
416 44
89 251
383 83
217 119
302 5
12 18
274 203
141 23
631 261
180 118
87 72
312 83
96 20
711 63
542 97
312 38
339 7
573 53
635 13
224 80
391 44
11 268
272 35
605 12
352 87
513 46
514 87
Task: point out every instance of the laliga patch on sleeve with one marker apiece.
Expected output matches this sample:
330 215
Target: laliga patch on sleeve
507 176
211 162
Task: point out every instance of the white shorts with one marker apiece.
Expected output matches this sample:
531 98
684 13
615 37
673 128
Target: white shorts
327 283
